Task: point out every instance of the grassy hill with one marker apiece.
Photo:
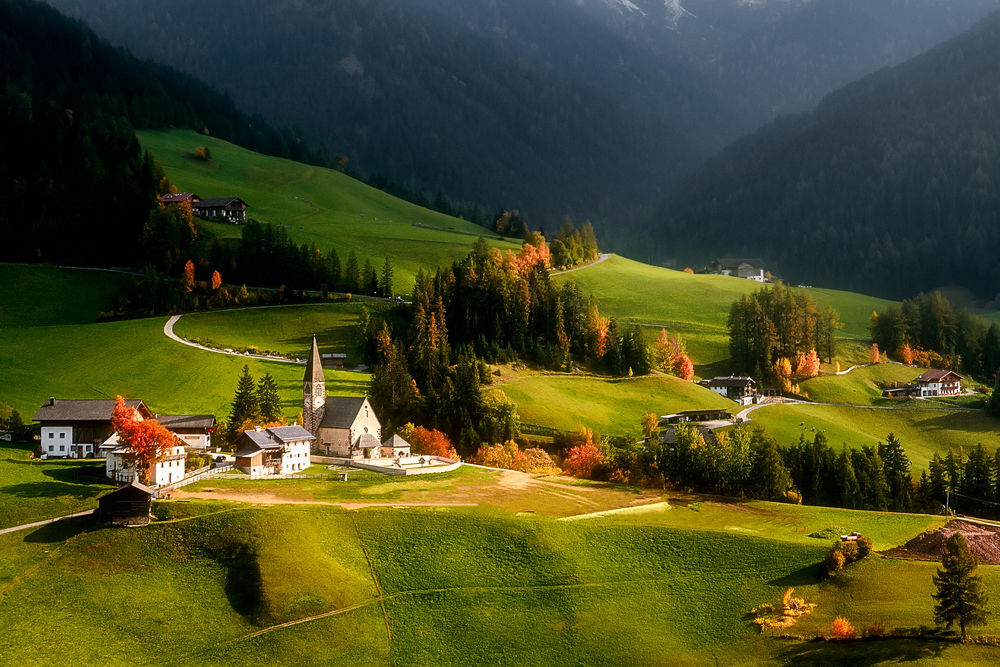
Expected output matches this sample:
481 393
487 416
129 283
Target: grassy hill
47 295
859 386
316 205
696 306
607 405
922 431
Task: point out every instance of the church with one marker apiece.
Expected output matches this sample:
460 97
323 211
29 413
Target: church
344 426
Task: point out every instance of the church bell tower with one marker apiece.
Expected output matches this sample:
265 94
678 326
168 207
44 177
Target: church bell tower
313 392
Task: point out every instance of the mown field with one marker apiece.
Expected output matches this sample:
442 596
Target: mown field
696 306
317 205
921 431
607 405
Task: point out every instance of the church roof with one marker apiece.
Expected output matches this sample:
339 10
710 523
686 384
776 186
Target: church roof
396 443
366 440
341 411
314 365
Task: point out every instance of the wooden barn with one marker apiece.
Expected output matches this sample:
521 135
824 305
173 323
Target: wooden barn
226 209
129 505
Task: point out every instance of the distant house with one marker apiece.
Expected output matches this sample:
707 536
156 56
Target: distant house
334 360
226 209
77 428
195 430
395 447
129 505
696 416
737 388
669 436
120 464
939 383
279 450
350 429
750 269
178 197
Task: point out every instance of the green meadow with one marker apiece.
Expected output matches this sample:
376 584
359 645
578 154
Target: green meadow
860 386
47 295
921 431
317 205
606 405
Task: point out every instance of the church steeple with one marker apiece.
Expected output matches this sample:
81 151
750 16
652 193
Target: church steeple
313 391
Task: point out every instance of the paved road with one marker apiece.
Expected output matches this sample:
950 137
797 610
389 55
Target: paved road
600 258
36 524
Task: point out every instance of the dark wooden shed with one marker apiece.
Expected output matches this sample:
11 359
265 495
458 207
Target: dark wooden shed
129 505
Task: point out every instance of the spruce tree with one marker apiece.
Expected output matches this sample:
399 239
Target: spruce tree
850 492
245 407
268 400
385 280
960 597
352 273
333 269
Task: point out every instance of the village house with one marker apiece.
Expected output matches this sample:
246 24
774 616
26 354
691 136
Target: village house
334 360
128 505
226 209
178 197
77 428
741 389
695 416
195 430
278 450
344 426
939 383
750 269
120 464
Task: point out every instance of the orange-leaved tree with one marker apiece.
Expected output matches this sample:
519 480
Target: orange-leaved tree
147 440
582 460
807 365
649 424
875 354
216 280
188 279
906 354
683 367
431 442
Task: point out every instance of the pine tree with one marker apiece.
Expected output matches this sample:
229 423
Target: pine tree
897 472
385 280
268 400
770 476
960 597
850 492
333 270
245 405
352 273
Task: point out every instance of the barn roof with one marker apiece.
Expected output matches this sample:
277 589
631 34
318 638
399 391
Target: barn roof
218 202
84 410
936 376
174 422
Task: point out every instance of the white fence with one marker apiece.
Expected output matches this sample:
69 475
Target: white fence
196 475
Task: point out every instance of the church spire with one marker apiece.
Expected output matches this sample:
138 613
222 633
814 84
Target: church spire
314 365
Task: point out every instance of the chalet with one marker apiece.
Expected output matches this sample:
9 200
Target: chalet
195 430
77 428
178 197
120 464
939 383
129 505
226 209
278 450
695 416
741 389
395 447
750 269
343 426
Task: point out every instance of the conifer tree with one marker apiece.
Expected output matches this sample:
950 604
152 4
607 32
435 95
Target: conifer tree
369 278
244 404
333 270
850 491
769 474
385 280
960 597
352 273
268 400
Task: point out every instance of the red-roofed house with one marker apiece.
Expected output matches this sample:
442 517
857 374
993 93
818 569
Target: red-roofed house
939 383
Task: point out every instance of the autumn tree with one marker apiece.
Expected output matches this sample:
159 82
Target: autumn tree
875 354
649 424
188 279
663 352
960 597
430 442
807 365
582 460
147 440
906 354
216 280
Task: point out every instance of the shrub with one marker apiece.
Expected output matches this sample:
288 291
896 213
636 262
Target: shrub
842 629
850 550
875 631
864 547
834 562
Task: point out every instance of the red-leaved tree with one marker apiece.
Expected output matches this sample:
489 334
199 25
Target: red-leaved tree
582 460
216 280
429 442
147 440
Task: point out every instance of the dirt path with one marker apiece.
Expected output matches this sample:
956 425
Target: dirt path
600 258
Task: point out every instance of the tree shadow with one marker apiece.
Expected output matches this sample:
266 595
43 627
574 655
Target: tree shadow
51 490
244 585
804 576
959 421
78 474
60 531
863 653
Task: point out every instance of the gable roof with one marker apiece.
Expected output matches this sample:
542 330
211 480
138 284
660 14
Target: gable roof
132 489
289 433
62 409
731 381
937 376
735 262
341 411
175 197
366 440
174 422
270 438
669 436
218 202
314 367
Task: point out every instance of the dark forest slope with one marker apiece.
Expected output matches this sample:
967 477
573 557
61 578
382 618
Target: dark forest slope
891 186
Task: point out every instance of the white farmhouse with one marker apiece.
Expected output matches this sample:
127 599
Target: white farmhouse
120 464
939 383
76 428
279 450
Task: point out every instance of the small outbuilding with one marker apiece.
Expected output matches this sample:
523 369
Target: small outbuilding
395 447
129 505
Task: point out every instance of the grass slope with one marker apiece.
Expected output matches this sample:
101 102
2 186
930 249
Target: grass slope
860 386
607 405
133 358
922 432
320 206
288 330
697 305
46 295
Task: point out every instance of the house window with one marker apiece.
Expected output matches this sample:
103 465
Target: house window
62 448
62 435
52 448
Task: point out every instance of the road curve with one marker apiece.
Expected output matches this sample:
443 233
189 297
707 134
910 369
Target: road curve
168 330
600 258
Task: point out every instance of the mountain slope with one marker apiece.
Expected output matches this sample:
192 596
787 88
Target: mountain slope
590 107
889 187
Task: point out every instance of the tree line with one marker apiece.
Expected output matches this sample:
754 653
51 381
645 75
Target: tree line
929 331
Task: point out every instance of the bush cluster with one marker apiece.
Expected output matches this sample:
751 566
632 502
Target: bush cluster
845 553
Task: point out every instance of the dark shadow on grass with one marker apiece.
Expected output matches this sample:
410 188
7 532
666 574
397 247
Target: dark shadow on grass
960 422
60 531
79 474
51 490
244 584
804 576
862 653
